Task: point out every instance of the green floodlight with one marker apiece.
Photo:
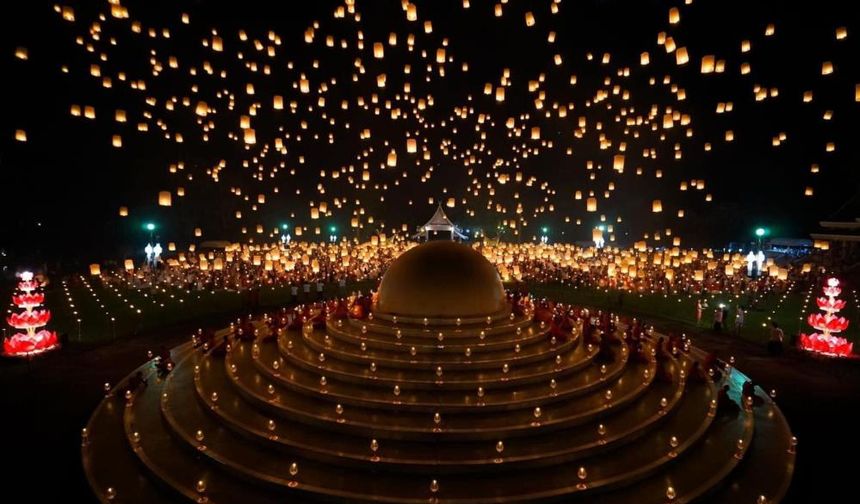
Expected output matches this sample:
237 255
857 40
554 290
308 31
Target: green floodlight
760 232
150 226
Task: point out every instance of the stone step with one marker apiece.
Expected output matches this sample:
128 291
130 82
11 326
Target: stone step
404 358
306 358
693 475
351 391
455 340
767 469
540 448
646 455
112 470
401 420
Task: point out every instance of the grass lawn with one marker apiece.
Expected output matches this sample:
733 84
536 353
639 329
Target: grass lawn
108 314
787 310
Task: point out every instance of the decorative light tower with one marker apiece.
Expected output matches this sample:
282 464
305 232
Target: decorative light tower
31 342
829 324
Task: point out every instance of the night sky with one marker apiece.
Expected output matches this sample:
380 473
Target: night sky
63 186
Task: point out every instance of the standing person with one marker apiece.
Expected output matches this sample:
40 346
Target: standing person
700 308
739 319
774 345
718 319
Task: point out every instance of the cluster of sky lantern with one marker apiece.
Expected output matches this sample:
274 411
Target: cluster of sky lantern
267 117
641 269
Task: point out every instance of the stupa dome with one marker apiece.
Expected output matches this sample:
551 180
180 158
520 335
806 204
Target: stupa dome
441 279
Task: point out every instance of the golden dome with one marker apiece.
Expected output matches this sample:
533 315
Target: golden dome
441 279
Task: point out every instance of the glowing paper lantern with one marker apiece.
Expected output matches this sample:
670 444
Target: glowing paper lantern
656 206
164 198
95 270
591 204
681 56
123 211
708 64
129 264
411 145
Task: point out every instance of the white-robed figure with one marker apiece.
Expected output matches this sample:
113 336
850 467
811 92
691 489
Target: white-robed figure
759 260
156 251
750 263
149 251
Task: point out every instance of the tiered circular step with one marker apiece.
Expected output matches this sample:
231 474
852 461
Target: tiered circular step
384 410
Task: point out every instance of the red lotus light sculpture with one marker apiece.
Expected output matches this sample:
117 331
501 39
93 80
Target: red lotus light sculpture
28 300
829 324
30 342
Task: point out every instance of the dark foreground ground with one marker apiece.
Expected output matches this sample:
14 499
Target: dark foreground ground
44 404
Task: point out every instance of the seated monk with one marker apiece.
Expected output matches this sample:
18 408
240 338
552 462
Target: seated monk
675 343
641 352
712 364
164 365
341 311
605 353
663 353
137 381
589 333
749 391
294 321
725 404
697 373
246 331
318 320
664 370
614 337
543 313
558 330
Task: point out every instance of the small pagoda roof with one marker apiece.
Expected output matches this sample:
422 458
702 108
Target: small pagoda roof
439 220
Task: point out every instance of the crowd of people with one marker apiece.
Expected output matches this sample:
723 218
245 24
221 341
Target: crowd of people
305 269
305 266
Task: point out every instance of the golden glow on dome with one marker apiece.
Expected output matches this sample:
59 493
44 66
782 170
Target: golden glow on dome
441 279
